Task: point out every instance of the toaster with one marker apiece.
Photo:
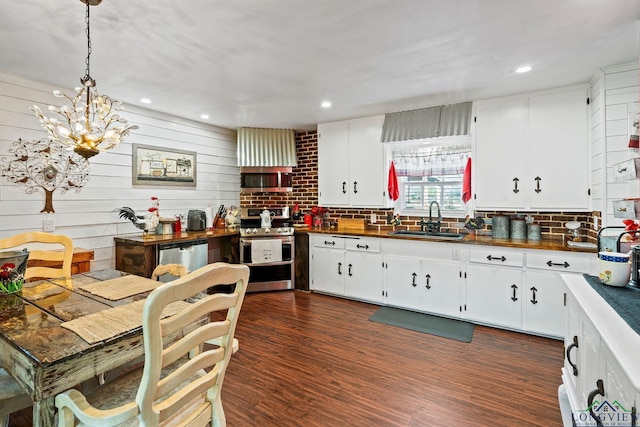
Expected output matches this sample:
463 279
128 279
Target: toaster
196 220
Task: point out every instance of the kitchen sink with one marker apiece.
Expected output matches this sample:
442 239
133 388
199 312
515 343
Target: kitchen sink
427 235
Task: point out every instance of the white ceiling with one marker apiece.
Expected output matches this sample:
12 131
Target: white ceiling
270 63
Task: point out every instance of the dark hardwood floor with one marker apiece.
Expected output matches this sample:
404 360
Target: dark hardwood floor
314 360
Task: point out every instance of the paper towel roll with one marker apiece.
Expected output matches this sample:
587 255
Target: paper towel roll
208 213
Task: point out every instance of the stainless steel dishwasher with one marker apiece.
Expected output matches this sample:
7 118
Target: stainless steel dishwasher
193 254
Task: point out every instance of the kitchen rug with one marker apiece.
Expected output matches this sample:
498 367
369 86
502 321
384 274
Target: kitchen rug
427 323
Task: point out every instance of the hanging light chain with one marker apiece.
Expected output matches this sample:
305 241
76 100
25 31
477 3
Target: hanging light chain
87 80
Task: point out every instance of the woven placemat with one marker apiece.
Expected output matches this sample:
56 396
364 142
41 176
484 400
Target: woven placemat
122 287
112 322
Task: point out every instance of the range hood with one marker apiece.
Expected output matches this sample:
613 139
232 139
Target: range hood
259 147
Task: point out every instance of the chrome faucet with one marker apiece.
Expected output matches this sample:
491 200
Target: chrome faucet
432 226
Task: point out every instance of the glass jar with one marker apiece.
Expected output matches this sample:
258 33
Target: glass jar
573 232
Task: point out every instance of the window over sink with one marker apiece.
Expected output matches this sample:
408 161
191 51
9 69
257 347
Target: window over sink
431 170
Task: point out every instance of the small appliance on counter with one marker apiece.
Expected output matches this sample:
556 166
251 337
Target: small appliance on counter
196 220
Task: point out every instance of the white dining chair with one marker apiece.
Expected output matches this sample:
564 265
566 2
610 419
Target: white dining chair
44 263
171 386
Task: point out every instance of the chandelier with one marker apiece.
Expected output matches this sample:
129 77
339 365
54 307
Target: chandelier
91 124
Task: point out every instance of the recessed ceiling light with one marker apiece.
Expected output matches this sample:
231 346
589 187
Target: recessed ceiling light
326 104
524 69
204 116
145 100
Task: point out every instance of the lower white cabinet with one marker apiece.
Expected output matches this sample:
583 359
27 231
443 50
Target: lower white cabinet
513 288
543 303
440 287
346 266
401 277
494 287
600 377
493 295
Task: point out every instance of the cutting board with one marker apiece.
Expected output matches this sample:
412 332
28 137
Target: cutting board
352 223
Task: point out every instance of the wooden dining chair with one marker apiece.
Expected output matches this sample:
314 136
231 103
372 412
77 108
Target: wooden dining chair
171 387
50 255
43 264
175 270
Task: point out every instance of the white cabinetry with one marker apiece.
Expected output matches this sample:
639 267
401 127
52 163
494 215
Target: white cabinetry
600 360
543 299
350 163
531 152
493 287
346 266
422 276
327 264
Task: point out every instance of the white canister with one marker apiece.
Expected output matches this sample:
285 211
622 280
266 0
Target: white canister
285 212
208 213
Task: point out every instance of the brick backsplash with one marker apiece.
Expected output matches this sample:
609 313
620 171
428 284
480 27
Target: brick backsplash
305 193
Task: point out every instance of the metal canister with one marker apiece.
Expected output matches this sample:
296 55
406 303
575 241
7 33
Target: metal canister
518 229
534 232
500 227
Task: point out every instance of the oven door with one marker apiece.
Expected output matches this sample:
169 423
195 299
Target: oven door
273 275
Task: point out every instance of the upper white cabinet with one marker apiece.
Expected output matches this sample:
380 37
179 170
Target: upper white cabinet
531 152
350 163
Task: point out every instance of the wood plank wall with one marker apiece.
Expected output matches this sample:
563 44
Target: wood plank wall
88 216
615 98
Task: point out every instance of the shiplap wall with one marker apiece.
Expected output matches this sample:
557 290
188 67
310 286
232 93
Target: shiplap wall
616 93
88 216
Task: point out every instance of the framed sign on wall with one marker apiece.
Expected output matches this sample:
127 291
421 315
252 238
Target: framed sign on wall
163 166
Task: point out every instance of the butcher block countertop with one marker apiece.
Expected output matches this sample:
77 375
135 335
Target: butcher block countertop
470 239
154 239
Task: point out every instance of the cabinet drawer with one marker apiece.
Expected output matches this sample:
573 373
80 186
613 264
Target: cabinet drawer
629 169
497 257
558 262
327 241
363 245
626 209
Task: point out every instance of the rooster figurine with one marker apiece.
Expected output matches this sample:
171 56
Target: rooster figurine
147 222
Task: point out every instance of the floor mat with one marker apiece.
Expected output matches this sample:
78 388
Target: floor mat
427 323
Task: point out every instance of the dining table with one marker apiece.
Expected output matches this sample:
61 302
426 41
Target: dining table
41 326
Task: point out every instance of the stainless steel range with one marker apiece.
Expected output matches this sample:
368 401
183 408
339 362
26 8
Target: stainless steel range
268 251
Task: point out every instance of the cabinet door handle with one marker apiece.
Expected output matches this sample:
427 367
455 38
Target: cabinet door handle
533 292
515 185
538 189
571 347
344 187
355 187
622 170
499 258
428 285
598 391
350 270
362 247
340 268
514 298
329 243
622 209
413 280
558 264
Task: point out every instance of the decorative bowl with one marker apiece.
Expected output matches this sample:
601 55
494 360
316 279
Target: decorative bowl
613 256
614 273
13 265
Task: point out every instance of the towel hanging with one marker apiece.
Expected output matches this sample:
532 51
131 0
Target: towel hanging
466 182
394 190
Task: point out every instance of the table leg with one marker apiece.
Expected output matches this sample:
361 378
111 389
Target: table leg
43 412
